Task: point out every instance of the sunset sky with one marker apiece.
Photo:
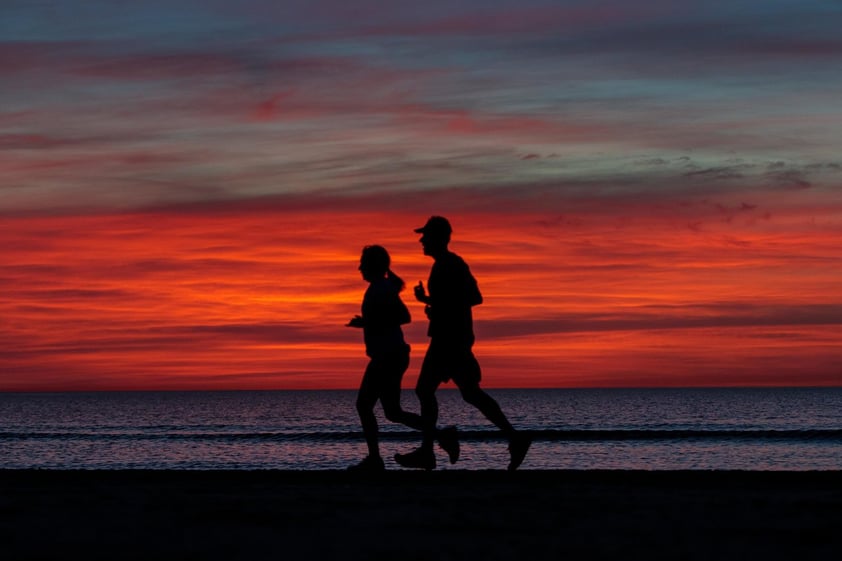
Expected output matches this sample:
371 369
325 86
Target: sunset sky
649 193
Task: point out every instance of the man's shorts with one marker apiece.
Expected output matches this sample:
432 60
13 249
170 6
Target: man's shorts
444 362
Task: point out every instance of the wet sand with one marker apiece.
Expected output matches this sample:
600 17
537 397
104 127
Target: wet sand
402 515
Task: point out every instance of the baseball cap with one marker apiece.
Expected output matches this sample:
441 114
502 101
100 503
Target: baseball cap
436 226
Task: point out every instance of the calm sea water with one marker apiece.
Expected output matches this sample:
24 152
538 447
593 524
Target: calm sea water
650 429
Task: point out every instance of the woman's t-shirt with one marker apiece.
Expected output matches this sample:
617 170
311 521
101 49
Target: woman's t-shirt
383 314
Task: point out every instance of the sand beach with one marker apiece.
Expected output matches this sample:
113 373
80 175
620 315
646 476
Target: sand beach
401 515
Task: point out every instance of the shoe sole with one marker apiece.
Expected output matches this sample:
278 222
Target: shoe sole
425 468
454 456
518 460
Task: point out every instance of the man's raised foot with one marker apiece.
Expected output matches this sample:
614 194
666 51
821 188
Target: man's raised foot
449 442
518 447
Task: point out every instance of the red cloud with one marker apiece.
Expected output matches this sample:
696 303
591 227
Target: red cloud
252 295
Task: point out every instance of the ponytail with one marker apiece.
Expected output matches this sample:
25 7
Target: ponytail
396 281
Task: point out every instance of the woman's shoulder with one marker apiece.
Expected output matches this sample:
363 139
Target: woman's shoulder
381 288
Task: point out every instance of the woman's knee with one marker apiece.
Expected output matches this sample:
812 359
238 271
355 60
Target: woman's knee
364 407
393 413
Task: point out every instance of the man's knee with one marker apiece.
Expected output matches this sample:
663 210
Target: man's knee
425 394
426 387
473 395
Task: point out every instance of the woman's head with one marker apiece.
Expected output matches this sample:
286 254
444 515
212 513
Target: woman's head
375 263
375 260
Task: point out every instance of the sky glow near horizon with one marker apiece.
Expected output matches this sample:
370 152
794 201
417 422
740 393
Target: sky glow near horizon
649 193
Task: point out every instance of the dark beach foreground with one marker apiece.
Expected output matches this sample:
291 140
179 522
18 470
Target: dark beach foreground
400 515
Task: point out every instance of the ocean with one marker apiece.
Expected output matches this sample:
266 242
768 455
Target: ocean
628 429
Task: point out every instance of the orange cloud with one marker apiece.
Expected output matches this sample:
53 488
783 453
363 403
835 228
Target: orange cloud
246 296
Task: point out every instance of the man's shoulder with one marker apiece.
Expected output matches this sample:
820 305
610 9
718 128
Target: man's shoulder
451 260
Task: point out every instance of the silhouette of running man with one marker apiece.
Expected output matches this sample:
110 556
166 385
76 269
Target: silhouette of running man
453 291
383 313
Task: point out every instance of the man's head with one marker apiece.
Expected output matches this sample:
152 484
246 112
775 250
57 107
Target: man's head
435 235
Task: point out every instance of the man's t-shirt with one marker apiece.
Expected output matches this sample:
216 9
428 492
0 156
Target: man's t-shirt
453 291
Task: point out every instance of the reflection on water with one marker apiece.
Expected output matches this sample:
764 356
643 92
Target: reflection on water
320 431
326 455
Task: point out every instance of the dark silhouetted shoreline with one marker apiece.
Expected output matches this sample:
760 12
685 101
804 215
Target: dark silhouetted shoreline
527 515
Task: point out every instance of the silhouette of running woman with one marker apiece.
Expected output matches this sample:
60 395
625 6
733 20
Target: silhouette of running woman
453 291
383 313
